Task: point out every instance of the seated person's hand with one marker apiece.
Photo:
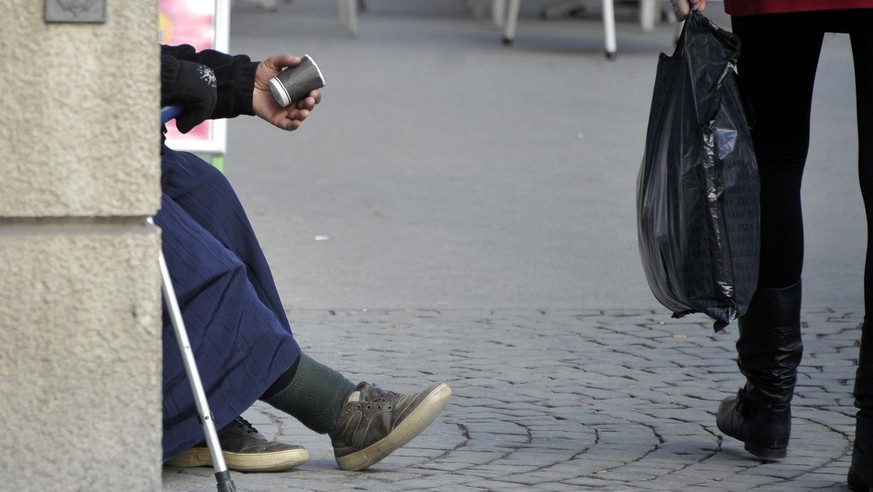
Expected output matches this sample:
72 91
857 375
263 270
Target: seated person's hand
288 118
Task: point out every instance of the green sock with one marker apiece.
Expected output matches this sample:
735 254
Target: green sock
314 396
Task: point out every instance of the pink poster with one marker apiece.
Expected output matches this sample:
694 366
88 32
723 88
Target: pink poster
198 23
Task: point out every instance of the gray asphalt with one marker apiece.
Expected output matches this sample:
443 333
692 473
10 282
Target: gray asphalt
462 211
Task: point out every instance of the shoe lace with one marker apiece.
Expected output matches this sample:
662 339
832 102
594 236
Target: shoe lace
246 425
387 398
383 396
376 398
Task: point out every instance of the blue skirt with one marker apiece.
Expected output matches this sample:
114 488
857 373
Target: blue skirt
239 333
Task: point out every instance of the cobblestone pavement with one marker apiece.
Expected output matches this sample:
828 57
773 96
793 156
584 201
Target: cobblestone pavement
511 186
565 400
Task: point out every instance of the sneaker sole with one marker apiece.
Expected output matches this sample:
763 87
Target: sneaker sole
242 462
417 421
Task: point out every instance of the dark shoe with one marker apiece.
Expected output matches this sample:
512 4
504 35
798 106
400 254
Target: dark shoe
861 471
858 484
769 349
374 423
245 450
764 429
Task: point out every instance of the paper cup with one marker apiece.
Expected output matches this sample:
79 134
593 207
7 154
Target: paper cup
295 83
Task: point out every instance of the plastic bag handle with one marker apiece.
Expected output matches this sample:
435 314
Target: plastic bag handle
680 42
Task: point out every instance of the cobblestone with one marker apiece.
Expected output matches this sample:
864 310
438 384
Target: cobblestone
565 400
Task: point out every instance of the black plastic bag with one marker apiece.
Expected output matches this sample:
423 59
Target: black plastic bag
698 212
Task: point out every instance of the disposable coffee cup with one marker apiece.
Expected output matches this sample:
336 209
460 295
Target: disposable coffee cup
295 83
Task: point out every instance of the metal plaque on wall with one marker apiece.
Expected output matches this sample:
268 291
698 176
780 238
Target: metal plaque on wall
89 11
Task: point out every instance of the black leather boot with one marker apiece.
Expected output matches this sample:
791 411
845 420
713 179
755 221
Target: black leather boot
861 471
769 349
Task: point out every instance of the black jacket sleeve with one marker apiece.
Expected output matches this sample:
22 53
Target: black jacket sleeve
234 74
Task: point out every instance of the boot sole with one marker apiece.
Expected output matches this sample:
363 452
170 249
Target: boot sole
242 462
766 454
417 421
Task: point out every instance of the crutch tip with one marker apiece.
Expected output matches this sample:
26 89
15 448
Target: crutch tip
225 483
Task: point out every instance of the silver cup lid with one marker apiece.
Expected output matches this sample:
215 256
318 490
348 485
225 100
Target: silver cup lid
280 93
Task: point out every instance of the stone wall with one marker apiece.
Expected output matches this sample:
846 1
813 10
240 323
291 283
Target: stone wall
80 302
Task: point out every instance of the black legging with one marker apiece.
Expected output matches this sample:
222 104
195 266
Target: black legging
777 66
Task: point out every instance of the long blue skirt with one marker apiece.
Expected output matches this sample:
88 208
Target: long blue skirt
239 333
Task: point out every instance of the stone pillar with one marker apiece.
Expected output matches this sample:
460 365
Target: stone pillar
80 301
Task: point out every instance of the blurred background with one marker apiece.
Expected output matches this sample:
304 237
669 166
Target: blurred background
445 169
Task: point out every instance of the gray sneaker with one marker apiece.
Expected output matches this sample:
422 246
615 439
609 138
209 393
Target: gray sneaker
374 423
244 450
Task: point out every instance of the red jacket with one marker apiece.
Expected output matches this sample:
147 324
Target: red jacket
755 7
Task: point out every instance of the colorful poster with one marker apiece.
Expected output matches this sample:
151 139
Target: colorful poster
204 24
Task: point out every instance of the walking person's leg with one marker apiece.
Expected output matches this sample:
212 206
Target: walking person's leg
778 72
861 471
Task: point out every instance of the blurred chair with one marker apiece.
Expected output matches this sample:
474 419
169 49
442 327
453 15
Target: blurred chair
348 14
648 14
608 22
648 9
348 11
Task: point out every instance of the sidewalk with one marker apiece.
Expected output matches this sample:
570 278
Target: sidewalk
564 400
456 210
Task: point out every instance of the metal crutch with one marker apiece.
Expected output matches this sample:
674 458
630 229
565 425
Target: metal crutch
222 474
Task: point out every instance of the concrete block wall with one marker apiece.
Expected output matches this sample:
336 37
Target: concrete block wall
80 301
